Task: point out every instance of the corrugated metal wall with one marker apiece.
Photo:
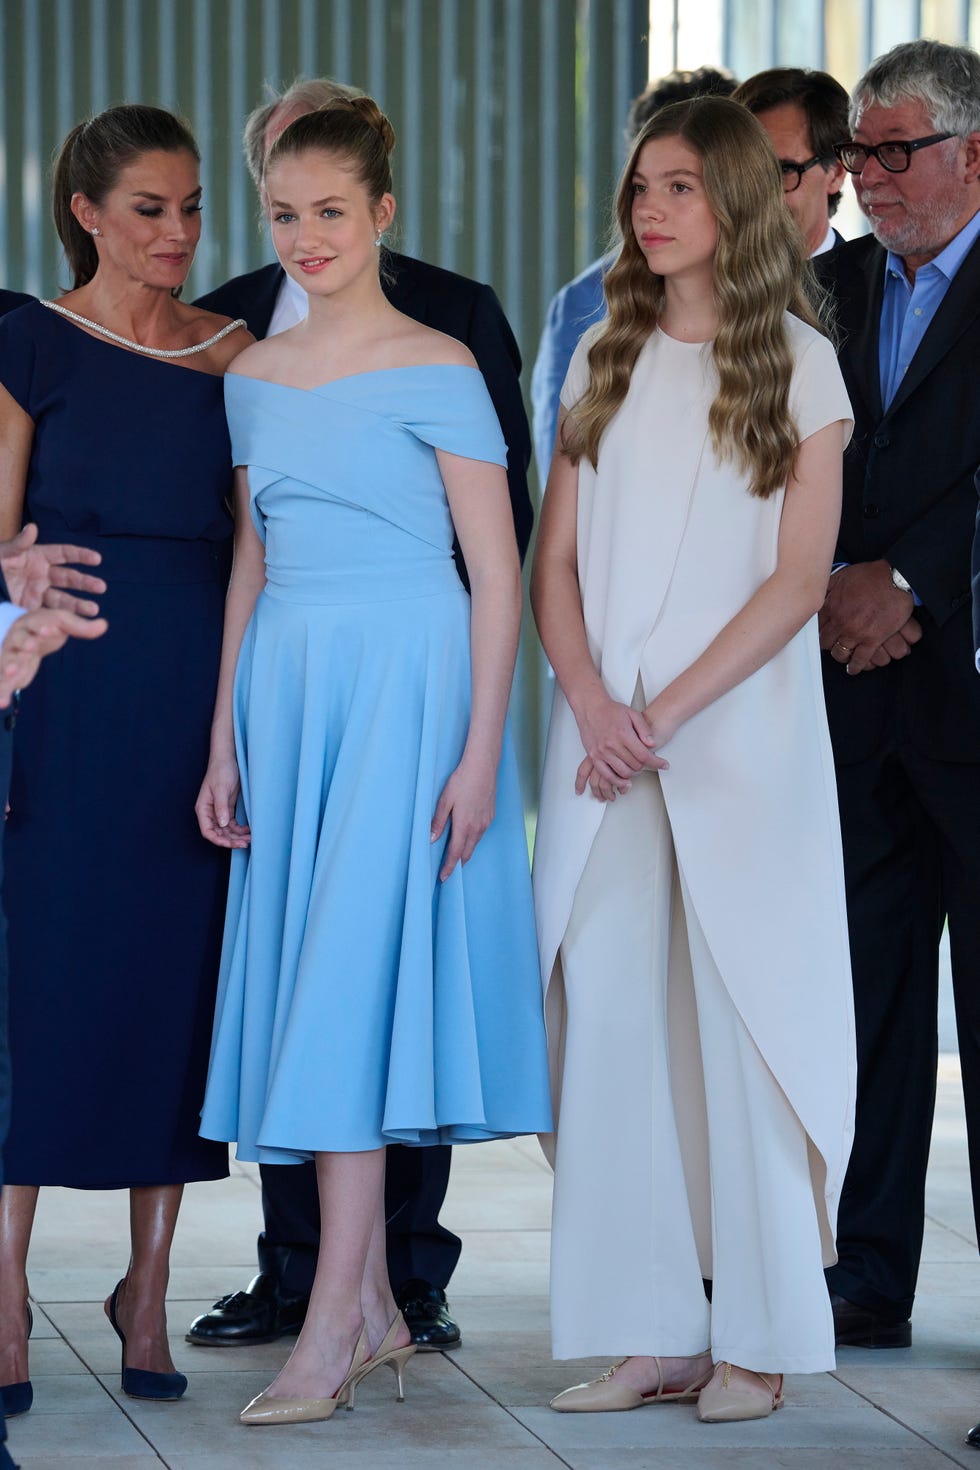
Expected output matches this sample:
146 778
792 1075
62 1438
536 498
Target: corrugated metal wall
509 117
508 113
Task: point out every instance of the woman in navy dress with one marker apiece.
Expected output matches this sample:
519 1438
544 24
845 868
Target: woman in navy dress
114 437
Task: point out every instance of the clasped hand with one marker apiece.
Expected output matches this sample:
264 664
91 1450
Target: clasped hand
866 621
619 742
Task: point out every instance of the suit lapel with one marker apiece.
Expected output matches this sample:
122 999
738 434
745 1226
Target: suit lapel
260 313
861 346
957 310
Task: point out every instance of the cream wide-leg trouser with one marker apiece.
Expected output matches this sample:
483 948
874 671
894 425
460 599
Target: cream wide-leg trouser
678 1155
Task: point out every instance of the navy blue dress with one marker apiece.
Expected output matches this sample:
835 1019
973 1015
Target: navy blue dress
114 900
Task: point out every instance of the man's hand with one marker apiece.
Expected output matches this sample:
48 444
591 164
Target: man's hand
39 576
862 613
37 633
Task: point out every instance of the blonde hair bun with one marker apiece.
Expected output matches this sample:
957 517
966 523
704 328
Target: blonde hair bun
368 109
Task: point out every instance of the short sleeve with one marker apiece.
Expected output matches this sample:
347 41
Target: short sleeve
577 377
817 396
449 407
18 357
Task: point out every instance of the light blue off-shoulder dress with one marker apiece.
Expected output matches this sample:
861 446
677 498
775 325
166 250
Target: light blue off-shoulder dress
361 1001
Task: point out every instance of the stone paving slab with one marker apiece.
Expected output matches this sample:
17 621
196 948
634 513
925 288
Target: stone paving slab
484 1406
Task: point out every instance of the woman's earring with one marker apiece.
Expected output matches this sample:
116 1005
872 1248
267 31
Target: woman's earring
95 230
378 240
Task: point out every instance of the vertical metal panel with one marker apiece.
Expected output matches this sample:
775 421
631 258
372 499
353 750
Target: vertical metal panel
450 171
493 102
32 172
410 127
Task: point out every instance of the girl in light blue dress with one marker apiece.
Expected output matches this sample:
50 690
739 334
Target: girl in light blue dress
379 977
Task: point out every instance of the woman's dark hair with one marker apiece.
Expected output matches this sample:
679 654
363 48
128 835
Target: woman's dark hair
91 159
355 128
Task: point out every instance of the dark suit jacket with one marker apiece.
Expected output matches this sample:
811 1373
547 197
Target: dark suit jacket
909 498
10 300
450 303
976 575
6 747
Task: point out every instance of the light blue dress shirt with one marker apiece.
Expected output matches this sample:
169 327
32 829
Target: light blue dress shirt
572 311
907 309
9 613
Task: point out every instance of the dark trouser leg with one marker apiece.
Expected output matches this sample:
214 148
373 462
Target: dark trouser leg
415 1190
291 1209
892 870
951 794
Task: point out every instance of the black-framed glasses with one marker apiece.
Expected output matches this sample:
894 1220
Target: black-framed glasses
793 172
894 156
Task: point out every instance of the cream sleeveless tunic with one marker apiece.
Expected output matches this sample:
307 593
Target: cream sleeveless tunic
671 546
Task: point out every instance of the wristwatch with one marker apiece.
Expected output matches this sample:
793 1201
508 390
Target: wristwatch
899 581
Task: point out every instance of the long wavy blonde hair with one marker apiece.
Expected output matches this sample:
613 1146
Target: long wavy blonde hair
760 272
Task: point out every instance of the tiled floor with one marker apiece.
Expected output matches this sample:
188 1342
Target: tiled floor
484 1406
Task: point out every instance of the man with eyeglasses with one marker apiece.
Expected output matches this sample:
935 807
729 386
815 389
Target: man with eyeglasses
903 697
805 114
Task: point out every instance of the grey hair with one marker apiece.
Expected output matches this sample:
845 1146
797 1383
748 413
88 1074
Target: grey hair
306 94
945 78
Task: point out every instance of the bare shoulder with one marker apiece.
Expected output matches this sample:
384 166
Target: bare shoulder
425 347
255 360
231 348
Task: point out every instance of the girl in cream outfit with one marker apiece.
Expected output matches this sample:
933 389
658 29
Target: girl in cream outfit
688 877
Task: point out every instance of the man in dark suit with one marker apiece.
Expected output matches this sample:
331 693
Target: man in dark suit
422 1254
904 709
805 114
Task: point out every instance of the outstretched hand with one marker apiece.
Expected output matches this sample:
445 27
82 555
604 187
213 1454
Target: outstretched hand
40 576
34 635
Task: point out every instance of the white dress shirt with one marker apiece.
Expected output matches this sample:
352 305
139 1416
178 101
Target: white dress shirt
829 241
292 307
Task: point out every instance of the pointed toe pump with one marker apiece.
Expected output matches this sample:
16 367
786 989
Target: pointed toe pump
268 1410
140 1383
17 1398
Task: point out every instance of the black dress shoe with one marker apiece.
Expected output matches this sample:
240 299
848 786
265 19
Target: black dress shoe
426 1313
263 1313
856 1326
973 1438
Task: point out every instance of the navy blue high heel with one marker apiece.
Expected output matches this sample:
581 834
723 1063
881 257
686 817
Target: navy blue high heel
17 1398
140 1383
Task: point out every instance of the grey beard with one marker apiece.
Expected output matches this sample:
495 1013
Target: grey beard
926 234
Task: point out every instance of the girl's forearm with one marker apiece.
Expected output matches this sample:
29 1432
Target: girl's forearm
763 627
495 625
247 581
557 603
